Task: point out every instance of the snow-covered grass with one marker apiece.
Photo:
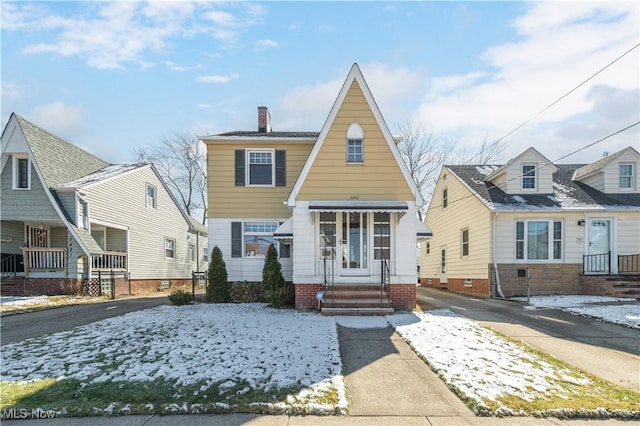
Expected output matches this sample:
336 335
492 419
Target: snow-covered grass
204 358
17 304
247 357
616 310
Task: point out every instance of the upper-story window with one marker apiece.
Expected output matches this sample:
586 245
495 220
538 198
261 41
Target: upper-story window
626 176
152 201
528 176
355 144
169 248
260 170
464 241
21 173
260 167
445 198
83 214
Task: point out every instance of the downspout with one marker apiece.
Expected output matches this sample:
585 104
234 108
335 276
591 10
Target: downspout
492 217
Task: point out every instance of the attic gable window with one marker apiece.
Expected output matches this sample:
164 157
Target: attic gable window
21 173
626 176
151 197
355 144
528 176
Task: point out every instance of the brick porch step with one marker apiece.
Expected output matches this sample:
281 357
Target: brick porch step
356 311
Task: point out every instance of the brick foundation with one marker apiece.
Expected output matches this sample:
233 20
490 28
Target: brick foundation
547 278
153 286
403 296
305 296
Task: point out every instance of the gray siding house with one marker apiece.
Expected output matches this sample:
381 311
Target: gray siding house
71 222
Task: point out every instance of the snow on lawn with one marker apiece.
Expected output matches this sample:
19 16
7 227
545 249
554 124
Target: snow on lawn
25 304
480 364
225 345
608 309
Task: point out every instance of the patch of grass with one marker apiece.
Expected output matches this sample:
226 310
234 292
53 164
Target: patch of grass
75 398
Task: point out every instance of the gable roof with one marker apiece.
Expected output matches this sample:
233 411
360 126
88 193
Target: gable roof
58 160
354 75
601 164
503 168
567 193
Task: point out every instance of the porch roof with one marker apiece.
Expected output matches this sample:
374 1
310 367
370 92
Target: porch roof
422 231
284 231
358 206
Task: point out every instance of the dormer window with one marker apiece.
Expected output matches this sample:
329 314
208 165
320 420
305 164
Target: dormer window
626 176
528 176
355 144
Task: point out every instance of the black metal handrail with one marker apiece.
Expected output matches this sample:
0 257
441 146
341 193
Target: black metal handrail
385 277
9 265
596 263
628 263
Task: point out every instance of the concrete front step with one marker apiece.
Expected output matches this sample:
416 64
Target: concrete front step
356 311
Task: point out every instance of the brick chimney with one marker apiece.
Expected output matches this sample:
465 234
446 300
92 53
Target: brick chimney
264 120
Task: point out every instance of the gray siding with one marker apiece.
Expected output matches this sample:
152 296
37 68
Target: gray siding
68 200
121 201
59 237
12 236
24 205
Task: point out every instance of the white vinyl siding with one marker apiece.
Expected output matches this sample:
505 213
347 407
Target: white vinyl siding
120 202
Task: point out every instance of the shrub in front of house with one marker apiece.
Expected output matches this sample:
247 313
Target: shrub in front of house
246 292
274 290
180 297
217 289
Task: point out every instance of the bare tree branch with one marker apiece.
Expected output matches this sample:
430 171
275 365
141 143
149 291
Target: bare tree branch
181 162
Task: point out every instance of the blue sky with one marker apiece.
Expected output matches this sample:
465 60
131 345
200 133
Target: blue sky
114 76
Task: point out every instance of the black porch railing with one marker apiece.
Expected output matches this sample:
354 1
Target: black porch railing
629 264
601 263
385 278
596 263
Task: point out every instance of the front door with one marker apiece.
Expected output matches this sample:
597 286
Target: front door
355 243
599 246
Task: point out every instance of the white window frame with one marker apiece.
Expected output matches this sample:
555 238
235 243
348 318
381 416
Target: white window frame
166 248
551 243
192 253
464 243
529 175
83 217
355 144
15 172
257 234
247 163
630 177
355 151
151 201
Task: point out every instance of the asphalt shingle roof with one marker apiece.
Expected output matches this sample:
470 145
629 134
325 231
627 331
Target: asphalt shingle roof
242 133
59 161
567 193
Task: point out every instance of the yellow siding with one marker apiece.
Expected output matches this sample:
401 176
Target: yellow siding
331 178
229 201
463 211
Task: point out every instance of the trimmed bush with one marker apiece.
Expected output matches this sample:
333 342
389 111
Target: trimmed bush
246 291
275 291
217 289
180 297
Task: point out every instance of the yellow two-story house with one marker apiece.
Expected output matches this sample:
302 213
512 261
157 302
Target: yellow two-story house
340 206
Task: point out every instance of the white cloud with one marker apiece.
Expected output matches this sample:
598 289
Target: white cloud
561 45
216 79
115 34
307 106
268 43
11 90
175 67
61 119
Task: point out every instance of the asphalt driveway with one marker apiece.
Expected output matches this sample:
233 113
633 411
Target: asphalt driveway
606 350
15 328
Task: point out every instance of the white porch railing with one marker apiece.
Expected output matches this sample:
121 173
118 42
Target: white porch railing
44 259
109 261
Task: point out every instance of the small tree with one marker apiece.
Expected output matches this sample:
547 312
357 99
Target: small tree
276 292
217 290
